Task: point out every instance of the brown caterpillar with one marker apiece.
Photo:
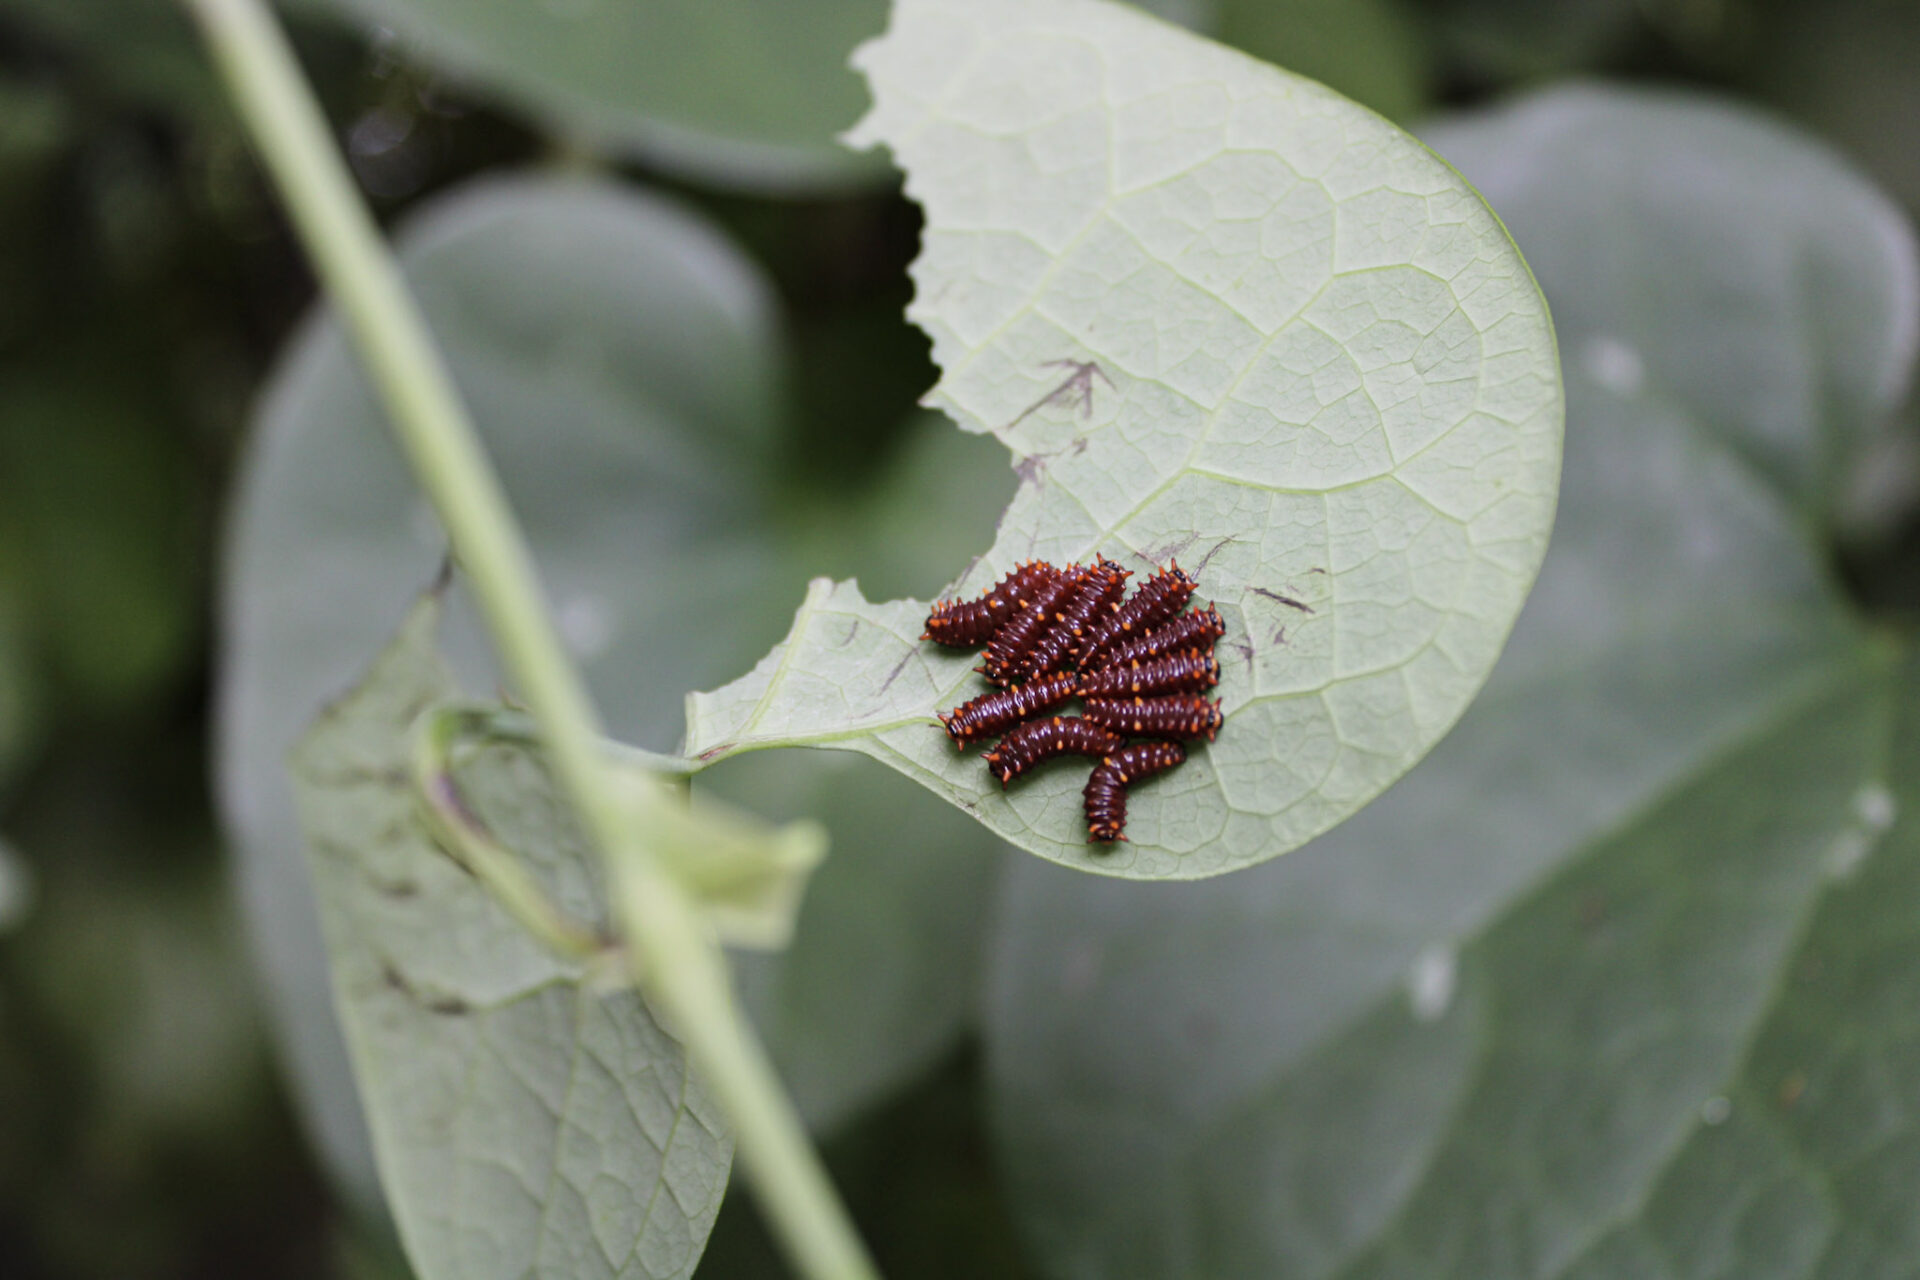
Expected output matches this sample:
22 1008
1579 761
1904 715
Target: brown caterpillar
968 624
1096 595
1040 740
1175 716
1188 631
1160 597
1187 672
994 713
1007 651
1106 790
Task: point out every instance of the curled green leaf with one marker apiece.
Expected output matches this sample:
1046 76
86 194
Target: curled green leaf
526 1120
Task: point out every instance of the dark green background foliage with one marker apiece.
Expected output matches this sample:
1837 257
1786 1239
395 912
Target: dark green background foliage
1619 983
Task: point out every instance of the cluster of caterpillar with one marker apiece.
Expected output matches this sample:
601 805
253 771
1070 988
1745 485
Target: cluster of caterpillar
1139 663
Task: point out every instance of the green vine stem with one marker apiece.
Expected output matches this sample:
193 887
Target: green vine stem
674 953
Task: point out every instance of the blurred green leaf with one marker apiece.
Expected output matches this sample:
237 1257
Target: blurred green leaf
1599 989
19 685
623 365
525 1122
144 972
1847 70
883 975
1744 270
1369 50
141 48
16 887
95 491
1218 313
742 93
1525 39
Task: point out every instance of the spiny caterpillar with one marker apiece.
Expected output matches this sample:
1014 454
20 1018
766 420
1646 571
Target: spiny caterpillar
1041 740
1008 650
1052 634
992 714
1186 672
1175 716
1105 795
968 624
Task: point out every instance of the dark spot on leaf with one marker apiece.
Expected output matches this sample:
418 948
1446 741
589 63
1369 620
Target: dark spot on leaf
852 631
1170 551
898 667
1289 601
446 1005
1031 468
399 890
1076 386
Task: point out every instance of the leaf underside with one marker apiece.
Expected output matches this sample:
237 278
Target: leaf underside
526 1123
1217 313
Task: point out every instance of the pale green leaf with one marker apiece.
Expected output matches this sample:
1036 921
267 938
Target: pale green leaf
1613 984
746 93
1299 354
622 362
526 1122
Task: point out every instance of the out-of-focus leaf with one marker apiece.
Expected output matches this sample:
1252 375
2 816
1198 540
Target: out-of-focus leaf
622 364
619 357
1788 331
18 682
16 886
882 977
144 975
1522 39
525 1123
1595 991
96 491
142 48
747 93
1369 50
1217 313
1846 69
